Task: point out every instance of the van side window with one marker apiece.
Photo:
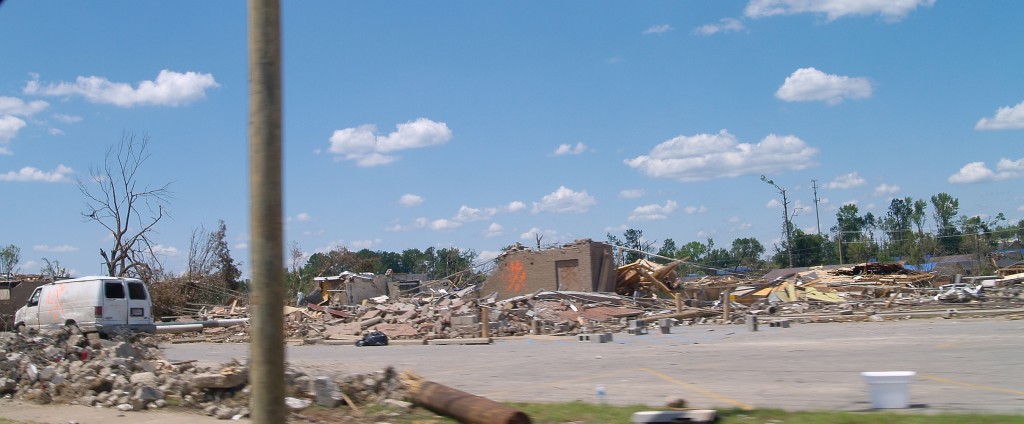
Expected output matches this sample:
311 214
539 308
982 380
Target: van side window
113 290
34 299
136 291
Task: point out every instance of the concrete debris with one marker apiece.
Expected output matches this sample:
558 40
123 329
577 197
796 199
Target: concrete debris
131 375
830 293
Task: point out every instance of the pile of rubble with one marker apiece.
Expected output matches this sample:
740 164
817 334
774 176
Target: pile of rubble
653 293
864 289
459 315
131 375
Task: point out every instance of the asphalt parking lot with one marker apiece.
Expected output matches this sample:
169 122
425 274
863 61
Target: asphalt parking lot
961 365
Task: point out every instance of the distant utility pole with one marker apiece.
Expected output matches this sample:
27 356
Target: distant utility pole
814 184
785 218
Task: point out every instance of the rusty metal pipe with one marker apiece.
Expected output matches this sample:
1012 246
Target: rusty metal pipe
466 408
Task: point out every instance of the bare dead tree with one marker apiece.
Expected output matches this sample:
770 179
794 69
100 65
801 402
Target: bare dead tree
200 255
127 210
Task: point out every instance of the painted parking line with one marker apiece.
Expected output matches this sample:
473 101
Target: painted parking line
699 389
971 385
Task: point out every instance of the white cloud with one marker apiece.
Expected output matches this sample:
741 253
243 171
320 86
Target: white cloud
658 29
632 193
67 119
516 206
706 156
241 245
723 25
850 180
9 127
565 200
886 189
160 249
169 89
364 244
303 217
695 209
487 255
619 229
64 248
568 149
494 230
55 131
410 200
809 84
1021 208
468 214
532 234
30 174
976 172
773 204
19 107
653 212
1006 118
444 224
890 10
363 145
972 173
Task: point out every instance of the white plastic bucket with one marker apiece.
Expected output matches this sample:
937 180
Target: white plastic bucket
889 389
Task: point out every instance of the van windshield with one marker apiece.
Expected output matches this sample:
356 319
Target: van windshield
136 291
113 290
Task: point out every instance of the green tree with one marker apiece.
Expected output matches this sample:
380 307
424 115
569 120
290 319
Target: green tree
718 259
296 282
224 268
747 252
668 250
616 244
54 270
635 241
897 225
945 210
9 258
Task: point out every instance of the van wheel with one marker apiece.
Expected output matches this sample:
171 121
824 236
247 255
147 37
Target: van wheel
20 329
73 328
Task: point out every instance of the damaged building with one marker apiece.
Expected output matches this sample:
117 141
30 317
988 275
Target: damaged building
350 288
583 266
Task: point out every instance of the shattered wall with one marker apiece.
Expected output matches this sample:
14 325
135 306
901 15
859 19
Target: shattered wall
583 266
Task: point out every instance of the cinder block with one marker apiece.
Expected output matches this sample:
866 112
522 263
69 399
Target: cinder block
637 331
594 338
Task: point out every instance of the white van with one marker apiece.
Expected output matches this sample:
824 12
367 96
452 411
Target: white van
106 305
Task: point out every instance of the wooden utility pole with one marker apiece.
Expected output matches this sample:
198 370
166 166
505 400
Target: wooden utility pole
265 213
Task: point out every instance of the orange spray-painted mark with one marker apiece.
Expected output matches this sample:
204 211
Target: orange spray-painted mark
53 298
515 274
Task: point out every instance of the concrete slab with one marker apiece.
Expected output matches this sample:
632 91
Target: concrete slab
971 365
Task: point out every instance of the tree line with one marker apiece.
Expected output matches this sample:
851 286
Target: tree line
899 235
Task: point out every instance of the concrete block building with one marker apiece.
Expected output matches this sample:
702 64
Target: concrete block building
584 266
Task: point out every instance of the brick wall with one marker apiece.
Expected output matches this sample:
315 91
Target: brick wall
582 266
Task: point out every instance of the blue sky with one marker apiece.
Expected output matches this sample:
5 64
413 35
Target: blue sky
479 124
